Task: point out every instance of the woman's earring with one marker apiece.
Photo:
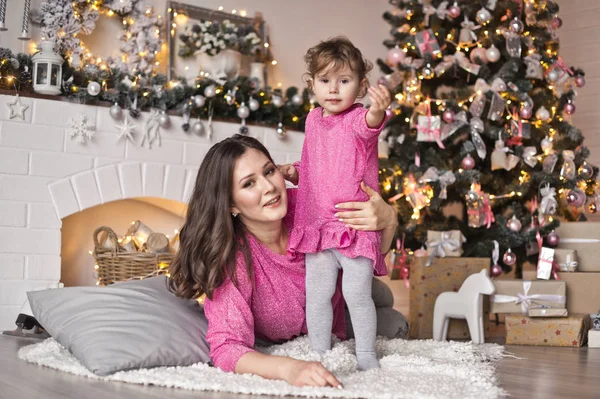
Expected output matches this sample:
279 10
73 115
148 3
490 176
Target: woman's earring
234 214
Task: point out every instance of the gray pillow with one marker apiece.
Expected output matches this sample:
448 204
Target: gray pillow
129 325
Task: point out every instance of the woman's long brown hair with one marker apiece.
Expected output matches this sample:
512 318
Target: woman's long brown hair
211 237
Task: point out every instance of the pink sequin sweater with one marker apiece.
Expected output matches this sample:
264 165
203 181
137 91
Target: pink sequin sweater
339 152
274 310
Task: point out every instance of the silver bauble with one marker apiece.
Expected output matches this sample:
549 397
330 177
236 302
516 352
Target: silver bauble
586 171
199 100
281 132
230 98
115 111
277 101
93 88
428 72
516 25
493 54
253 104
552 76
163 120
483 16
297 99
514 224
243 112
198 128
210 91
542 114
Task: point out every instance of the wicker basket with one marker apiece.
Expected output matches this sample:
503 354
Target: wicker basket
115 266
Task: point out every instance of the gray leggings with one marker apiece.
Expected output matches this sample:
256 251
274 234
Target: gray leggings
321 276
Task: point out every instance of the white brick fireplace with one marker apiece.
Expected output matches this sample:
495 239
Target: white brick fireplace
46 176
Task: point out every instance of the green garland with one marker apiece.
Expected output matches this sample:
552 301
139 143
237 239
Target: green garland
157 92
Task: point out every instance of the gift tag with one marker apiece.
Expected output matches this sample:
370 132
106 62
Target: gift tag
544 268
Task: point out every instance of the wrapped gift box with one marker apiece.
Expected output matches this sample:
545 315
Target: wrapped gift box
427 282
583 237
583 295
547 312
551 331
445 243
566 259
517 296
594 338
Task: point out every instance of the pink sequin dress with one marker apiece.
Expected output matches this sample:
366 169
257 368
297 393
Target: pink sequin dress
339 152
274 310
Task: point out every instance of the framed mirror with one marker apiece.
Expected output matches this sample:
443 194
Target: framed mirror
204 42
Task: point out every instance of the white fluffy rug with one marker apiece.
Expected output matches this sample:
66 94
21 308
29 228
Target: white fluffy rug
409 369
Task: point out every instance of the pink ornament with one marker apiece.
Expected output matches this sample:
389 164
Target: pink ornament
509 258
576 197
579 81
553 238
448 116
479 53
389 114
496 270
569 108
556 22
395 56
454 11
526 112
468 162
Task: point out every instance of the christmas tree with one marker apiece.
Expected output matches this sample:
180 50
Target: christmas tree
481 119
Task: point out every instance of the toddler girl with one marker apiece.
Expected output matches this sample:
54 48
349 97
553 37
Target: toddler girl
340 152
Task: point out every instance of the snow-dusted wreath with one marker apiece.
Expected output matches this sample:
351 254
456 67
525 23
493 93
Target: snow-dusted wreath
140 40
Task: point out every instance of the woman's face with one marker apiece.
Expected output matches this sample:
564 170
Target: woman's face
259 194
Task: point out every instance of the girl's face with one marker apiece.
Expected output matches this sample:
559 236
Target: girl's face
337 89
259 194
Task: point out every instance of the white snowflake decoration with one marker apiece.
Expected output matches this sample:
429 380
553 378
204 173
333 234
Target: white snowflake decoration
79 129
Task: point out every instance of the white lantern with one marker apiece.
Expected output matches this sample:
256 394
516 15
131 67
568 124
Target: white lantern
47 69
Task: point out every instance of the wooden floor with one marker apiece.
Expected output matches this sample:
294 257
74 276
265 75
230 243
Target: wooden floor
541 372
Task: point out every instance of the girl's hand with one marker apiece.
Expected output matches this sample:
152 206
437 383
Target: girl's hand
290 173
371 215
301 373
380 98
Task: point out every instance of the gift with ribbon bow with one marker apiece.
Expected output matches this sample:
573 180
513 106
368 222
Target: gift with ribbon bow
429 127
530 156
517 296
444 243
563 73
427 44
534 70
446 178
479 210
568 331
566 259
502 157
548 204
481 88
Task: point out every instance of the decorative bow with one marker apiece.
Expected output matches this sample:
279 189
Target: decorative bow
530 156
487 209
559 63
441 11
477 127
527 300
445 179
467 33
460 120
542 261
570 264
459 58
481 88
442 246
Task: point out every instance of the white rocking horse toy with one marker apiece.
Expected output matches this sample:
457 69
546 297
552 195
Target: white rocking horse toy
467 304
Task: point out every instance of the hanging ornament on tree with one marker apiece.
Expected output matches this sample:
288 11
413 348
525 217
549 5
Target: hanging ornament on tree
496 268
448 116
115 111
525 112
553 238
492 54
230 97
548 204
579 81
199 100
253 104
556 23
483 16
501 156
468 162
569 108
479 54
593 208
93 88
542 114
428 72
516 25
198 128
509 258
210 91
454 10
243 112
163 120
395 56
546 145
553 75
514 224
576 197
586 171
277 101
281 132
297 99
567 171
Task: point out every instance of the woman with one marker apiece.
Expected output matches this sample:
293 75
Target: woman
233 248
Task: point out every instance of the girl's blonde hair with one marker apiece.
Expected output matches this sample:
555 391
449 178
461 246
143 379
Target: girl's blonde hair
336 53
